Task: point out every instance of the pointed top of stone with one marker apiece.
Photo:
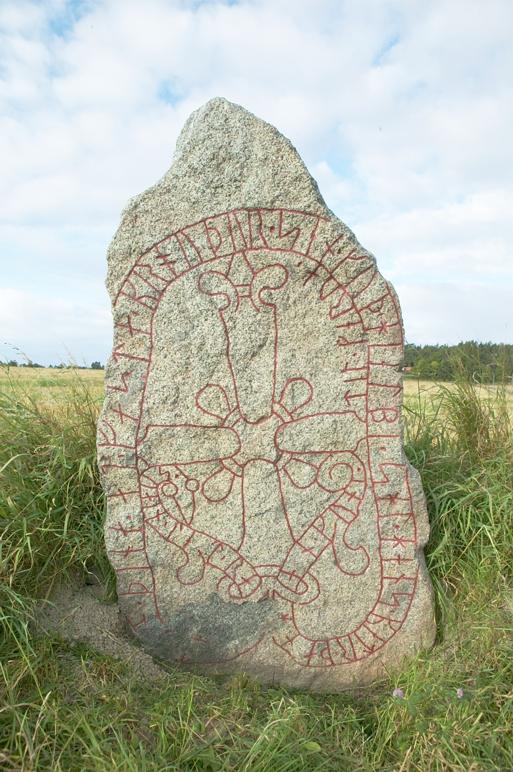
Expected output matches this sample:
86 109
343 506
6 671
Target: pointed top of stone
225 158
224 146
218 105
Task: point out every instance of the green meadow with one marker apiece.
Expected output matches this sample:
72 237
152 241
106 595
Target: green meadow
65 706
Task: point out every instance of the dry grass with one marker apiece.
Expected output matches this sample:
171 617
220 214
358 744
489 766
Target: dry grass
430 391
50 387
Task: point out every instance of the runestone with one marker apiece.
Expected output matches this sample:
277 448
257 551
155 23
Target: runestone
261 514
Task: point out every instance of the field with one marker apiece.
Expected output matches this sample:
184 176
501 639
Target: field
65 706
52 385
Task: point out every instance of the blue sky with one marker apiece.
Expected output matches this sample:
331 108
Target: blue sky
401 109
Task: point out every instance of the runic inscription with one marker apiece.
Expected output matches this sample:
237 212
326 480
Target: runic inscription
261 514
262 437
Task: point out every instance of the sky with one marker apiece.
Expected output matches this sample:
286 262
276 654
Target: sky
401 109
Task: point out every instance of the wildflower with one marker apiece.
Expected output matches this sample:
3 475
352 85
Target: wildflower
398 693
459 693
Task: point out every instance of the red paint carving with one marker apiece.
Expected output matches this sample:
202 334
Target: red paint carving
249 444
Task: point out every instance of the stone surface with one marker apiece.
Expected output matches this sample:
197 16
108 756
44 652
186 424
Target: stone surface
262 516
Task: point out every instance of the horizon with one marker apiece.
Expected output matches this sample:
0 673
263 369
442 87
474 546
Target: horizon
73 364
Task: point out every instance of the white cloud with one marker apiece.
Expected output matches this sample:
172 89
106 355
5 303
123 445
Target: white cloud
51 329
452 312
471 237
401 109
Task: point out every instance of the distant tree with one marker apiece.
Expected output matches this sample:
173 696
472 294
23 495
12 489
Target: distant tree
421 368
12 363
96 366
445 370
485 362
434 368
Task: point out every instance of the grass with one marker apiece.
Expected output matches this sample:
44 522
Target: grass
65 707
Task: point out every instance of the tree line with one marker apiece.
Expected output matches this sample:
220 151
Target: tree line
484 362
60 366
